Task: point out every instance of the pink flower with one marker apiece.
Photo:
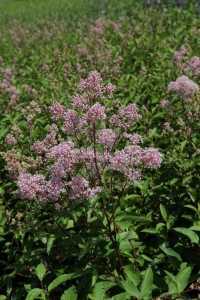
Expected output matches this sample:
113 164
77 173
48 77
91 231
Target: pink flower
127 160
98 28
10 140
151 158
58 169
179 55
193 65
62 150
54 188
39 147
71 120
129 112
80 188
95 113
107 137
109 89
183 86
126 116
57 111
164 103
92 84
134 138
65 157
80 102
31 186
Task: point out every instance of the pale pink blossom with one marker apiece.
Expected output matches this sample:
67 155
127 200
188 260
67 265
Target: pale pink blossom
126 116
107 137
134 138
92 84
10 140
151 158
79 188
179 55
96 113
184 87
71 120
164 103
31 186
193 66
57 111
80 102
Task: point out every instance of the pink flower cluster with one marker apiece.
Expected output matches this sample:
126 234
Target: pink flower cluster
193 66
75 165
179 55
95 113
126 117
10 140
37 187
7 87
107 137
41 147
164 103
132 157
184 87
80 188
57 111
93 86
31 186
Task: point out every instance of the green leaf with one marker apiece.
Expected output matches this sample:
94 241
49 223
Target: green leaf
132 276
121 296
40 271
130 288
163 212
147 284
50 242
35 294
70 294
100 289
195 228
2 297
172 284
60 279
170 252
182 278
194 238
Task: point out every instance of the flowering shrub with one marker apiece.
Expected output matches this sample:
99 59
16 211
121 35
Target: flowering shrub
99 183
98 141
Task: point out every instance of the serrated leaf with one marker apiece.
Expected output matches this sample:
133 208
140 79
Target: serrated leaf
61 279
40 271
170 252
70 294
147 284
194 238
35 293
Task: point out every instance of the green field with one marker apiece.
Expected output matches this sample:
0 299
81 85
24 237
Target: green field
99 149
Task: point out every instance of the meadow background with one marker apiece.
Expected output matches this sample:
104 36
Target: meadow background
141 242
